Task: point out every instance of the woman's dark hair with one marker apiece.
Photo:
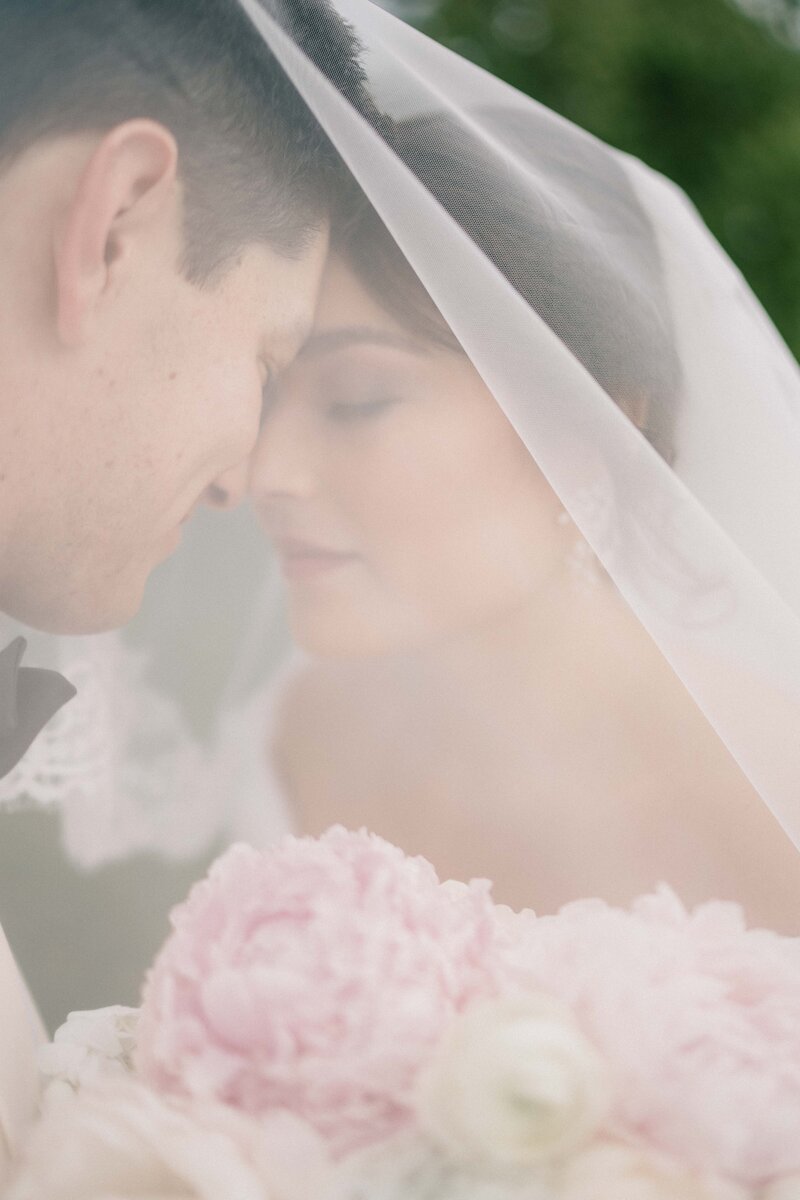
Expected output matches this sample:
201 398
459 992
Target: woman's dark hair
610 310
255 164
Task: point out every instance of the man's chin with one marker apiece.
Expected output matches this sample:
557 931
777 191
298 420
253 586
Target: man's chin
74 610
118 602
81 621
85 597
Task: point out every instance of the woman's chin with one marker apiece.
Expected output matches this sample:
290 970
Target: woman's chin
349 636
358 631
327 641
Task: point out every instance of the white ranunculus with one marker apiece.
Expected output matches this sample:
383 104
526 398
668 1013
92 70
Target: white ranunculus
89 1047
612 1171
515 1082
121 1141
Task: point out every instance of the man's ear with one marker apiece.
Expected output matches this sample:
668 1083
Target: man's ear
123 190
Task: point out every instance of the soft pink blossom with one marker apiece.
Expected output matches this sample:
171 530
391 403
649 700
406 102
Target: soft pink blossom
317 976
608 1171
698 1019
117 1140
787 1188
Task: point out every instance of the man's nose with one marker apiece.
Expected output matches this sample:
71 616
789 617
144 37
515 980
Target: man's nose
229 488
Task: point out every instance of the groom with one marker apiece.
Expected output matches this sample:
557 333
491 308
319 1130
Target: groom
165 201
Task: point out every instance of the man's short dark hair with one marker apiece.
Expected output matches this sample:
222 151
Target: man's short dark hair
255 164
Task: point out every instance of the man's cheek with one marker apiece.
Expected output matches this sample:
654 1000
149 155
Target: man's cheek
231 411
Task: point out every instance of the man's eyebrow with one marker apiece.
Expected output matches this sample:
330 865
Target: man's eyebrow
329 341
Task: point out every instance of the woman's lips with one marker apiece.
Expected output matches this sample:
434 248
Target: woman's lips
306 561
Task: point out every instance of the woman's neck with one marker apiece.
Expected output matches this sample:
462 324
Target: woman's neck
572 664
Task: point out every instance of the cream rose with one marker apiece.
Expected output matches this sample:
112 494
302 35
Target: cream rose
514 1083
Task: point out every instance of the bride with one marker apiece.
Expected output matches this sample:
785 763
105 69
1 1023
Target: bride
472 686
533 487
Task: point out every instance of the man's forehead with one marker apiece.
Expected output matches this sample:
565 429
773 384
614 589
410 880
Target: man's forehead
288 291
292 330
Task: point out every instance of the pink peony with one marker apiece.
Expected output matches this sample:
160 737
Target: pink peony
698 1019
317 977
322 976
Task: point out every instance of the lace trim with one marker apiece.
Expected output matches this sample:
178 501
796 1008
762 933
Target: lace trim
119 763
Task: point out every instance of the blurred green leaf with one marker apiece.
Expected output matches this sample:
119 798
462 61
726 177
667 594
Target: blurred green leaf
707 91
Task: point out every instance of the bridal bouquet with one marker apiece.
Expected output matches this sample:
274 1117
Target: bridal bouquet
328 1021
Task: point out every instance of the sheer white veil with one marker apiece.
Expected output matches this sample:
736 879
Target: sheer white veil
704 549
699 521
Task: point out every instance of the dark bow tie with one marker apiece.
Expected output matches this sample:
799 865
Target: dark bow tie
29 698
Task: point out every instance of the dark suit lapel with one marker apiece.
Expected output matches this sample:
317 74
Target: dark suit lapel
29 698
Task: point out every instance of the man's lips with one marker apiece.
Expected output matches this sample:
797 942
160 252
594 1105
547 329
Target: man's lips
307 560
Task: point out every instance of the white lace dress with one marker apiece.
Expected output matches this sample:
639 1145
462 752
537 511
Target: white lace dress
21 1033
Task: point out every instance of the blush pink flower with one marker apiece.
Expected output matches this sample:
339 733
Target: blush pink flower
117 1140
697 1018
317 977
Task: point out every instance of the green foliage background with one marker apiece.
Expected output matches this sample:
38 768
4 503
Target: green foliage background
703 90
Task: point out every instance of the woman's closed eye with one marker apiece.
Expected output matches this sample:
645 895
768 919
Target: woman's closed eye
352 410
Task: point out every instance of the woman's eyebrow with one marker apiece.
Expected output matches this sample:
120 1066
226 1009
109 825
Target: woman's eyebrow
331 340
